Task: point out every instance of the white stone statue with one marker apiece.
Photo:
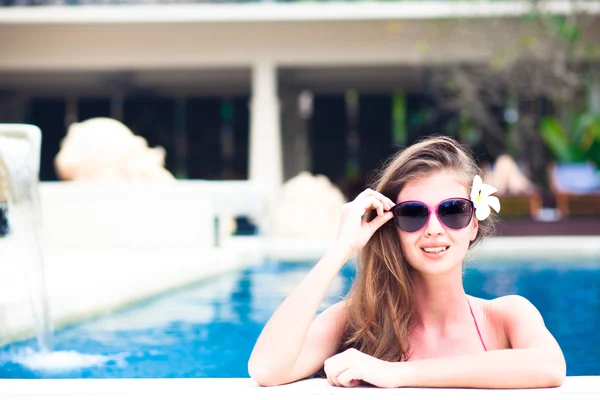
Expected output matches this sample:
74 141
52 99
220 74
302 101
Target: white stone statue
308 207
105 149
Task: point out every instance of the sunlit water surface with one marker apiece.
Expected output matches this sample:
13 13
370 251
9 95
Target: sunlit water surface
208 330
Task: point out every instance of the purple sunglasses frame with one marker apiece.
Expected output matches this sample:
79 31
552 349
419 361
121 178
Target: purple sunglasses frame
431 210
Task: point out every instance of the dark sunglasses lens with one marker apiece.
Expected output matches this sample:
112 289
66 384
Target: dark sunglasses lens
455 214
410 217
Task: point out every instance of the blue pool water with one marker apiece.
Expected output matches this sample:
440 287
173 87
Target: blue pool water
208 330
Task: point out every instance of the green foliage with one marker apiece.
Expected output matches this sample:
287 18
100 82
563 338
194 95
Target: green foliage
565 30
592 50
399 133
575 140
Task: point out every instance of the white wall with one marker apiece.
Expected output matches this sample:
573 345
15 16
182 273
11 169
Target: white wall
126 216
108 46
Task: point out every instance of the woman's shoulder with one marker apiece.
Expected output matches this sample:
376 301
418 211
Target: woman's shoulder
510 304
503 305
508 310
503 313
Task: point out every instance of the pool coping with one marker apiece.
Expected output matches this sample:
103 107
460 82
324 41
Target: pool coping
180 388
503 247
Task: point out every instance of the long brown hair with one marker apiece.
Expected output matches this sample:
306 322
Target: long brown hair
380 304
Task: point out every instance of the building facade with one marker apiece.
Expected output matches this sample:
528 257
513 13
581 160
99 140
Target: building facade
257 90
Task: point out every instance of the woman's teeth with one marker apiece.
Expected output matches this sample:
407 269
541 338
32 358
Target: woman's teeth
434 249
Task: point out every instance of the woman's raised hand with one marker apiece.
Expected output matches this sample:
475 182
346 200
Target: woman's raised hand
354 231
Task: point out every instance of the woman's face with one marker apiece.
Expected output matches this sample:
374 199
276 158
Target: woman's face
436 249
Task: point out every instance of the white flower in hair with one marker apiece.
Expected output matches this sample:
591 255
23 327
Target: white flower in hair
480 196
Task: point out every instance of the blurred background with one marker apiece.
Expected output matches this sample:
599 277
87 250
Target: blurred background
220 96
351 82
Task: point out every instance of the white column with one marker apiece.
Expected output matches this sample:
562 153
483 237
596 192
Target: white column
265 134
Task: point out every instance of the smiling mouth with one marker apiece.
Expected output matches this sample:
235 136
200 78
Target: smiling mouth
435 250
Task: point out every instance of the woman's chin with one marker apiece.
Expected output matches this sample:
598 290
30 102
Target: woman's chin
436 265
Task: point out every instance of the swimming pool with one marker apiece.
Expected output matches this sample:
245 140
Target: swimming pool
208 330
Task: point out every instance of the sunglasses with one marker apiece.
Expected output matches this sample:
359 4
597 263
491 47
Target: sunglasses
412 216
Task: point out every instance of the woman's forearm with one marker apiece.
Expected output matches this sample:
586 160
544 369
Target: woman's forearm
281 340
499 369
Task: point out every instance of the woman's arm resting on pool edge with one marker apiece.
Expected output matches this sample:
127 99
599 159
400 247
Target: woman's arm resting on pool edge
535 359
294 344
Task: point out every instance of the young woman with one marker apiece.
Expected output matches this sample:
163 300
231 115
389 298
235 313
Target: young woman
407 320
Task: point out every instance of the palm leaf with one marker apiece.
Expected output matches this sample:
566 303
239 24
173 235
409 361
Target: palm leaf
559 143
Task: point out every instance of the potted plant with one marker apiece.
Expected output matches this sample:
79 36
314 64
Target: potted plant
576 141
575 145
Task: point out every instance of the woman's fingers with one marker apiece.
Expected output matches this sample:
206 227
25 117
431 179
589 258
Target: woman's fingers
373 203
363 204
370 200
348 378
378 196
345 377
329 380
333 368
332 378
378 221
354 230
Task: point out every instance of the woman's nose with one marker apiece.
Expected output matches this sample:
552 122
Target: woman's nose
434 227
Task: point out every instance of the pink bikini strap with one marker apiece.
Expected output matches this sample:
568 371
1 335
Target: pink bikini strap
476 325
